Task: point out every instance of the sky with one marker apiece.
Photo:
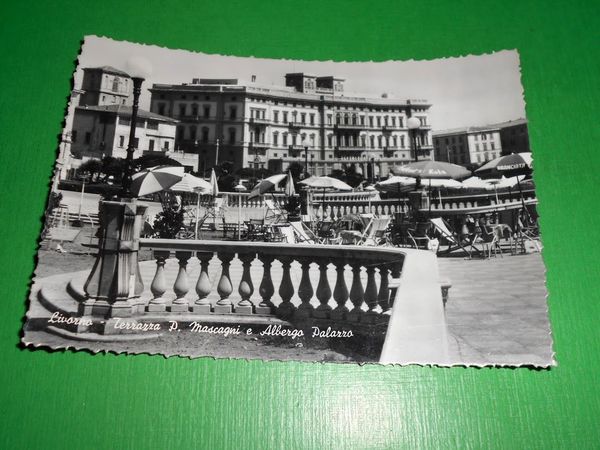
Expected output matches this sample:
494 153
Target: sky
464 91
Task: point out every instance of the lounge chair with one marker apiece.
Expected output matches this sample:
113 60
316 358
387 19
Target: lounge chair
273 213
375 232
303 234
454 241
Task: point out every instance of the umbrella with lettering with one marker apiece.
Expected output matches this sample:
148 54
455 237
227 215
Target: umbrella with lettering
155 179
432 170
508 166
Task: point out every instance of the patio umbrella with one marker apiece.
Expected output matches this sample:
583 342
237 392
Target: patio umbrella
155 179
477 183
190 183
325 183
511 165
213 183
290 190
266 185
508 165
432 169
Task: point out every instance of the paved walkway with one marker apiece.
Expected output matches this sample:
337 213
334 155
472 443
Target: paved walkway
497 312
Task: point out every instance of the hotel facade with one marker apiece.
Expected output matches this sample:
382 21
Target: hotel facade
309 118
473 146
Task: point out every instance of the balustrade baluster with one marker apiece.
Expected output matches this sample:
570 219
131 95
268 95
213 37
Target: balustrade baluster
266 288
396 270
246 288
159 285
181 286
357 294
305 291
384 290
323 291
371 298
286 289
224 288
203 286
340 292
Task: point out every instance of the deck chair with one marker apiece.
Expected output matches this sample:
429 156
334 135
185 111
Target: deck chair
303 234
375 231
215 212
453 240
273 213
285 234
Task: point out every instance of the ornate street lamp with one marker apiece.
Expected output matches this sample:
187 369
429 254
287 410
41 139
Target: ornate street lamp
114 285
413 125
139 69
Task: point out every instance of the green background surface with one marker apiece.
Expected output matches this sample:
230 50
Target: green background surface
79 400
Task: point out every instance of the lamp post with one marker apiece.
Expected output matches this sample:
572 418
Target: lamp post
413 125
239 189
114 285
305 144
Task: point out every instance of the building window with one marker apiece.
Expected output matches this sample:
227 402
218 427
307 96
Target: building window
232 135
492 146
378 121
192 133
136 143
152 125
166 144
294 116
206 112
303 118
476 147
402 141
182 110
395 138
194 109
205 134
275 138
484 146
362 120
285 138
151 145
180 131
363 141
276 116
379 141
371 121
275 155
372 141
329 119
312 119
121 141
88 137
330 140
161 109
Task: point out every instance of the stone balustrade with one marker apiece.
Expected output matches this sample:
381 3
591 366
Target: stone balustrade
348 283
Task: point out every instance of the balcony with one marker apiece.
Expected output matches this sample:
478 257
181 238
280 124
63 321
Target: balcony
259 146
349 126
389 128
195 118
258 121
349 148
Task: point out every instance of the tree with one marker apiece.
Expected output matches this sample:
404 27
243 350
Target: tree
168 222
349 176
153 160
92 168
296 169
113 167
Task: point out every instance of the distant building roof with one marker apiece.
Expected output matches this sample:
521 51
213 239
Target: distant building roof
109 69
491 127
121 110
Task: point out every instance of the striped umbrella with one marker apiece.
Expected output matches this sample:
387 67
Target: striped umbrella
155 179
190 183
266 185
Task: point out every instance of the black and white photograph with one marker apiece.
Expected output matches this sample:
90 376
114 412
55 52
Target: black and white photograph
346 212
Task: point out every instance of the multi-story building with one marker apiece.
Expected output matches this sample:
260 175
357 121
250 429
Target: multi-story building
106 86
473 146
101 123
266 126
100 131
514 136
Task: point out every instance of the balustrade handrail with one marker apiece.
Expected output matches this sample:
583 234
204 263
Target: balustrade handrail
347 252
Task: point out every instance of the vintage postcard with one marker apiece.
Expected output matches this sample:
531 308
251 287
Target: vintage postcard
232 207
